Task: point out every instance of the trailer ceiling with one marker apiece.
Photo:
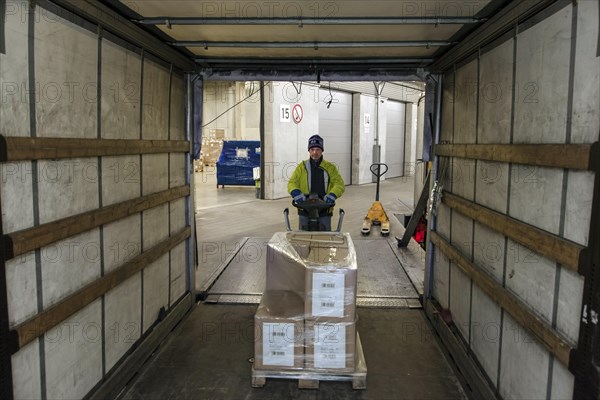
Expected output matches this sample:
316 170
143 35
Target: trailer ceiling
343 40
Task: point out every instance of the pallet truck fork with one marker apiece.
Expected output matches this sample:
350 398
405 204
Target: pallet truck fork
376 214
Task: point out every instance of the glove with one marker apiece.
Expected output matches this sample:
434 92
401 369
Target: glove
330 198
298 196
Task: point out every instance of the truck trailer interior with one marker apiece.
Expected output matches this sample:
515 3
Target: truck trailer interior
132 269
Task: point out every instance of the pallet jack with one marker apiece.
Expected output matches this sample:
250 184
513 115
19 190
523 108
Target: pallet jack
313 205
376 214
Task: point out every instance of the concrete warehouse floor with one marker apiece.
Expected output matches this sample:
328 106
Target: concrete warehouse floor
207 355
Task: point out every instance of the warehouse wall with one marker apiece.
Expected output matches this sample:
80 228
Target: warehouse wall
286 141
366 121
538 86
61 80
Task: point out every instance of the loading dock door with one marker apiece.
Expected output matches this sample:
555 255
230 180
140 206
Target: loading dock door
394 149
335 126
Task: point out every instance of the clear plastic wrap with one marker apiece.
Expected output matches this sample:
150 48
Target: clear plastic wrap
308 309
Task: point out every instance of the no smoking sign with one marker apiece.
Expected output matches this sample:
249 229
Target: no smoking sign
297 113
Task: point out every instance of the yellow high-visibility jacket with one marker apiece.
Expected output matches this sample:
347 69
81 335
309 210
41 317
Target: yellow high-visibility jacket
301 179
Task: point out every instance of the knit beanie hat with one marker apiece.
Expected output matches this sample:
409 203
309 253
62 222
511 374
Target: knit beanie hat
315 141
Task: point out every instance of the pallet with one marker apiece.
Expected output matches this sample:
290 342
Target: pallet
309 379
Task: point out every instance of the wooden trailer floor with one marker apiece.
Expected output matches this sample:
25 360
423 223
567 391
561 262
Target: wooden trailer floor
208 354
207 357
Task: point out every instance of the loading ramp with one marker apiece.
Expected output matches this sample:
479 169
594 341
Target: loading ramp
382 281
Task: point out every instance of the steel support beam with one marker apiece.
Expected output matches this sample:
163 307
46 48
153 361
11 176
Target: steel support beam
168 21
313 45
315 61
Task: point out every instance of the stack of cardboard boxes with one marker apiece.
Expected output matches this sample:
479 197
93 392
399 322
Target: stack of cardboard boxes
306 320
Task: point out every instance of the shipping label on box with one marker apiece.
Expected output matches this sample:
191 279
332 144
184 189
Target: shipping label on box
330 346
279 344
279 331
328 294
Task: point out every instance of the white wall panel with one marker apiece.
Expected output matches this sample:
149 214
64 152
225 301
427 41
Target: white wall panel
66 68
441 278
491 188
485 332
155 102
520 352
495 94
569 304
536 195
69 264
335 126
122 310
465 103
122 242
562 382
531 277
178 275
363 138
542 80
460 300
178 104
121 91
578 213
444 214
22 288
74 354
177 215
26 372
16 193
395 138
14 78
120 179
156 290
489 251
585 126
67 187
177 169
156 225
463 177
155 173
447 122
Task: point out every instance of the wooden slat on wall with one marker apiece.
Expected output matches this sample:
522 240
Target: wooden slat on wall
518 310
28 148
51 317
24 241
571 156
568 253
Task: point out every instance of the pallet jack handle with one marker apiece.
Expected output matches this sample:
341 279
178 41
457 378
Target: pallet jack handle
286 216
376 170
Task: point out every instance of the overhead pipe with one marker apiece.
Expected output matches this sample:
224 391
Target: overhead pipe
314 45
300 21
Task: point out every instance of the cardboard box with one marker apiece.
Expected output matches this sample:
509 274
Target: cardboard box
218 134
330 345
330 292
331 277
285 266
279 331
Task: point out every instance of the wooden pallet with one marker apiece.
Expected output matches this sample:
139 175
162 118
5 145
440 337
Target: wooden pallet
309 379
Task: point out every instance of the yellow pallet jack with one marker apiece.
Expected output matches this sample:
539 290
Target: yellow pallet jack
376 214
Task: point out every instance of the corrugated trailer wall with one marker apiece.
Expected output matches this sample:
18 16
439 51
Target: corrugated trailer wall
94 200
514 219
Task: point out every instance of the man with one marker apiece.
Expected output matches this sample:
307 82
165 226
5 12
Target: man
316 175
